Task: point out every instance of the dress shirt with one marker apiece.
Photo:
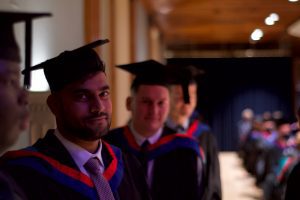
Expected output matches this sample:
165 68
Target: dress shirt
173 125
140 140
79 154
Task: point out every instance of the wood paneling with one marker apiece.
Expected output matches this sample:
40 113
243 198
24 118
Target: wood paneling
185 22
92 20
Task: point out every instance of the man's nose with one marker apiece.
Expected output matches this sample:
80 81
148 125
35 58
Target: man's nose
97 105
23 97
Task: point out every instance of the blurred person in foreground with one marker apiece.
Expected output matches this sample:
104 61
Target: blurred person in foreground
71 161
14 114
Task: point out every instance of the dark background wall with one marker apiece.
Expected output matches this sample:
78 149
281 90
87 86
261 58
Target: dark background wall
231 84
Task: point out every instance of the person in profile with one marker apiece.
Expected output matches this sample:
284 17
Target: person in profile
71 161
14 114
185 119
172 162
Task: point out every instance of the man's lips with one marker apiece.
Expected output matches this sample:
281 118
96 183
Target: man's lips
100 117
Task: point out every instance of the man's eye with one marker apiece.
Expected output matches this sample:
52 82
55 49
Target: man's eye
161 103
105 94
146 101
81 97
10 82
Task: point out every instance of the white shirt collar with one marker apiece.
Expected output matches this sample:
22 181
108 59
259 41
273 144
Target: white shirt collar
170 123
140 139
79 154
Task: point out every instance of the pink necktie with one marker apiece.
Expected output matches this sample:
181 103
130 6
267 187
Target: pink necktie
92 166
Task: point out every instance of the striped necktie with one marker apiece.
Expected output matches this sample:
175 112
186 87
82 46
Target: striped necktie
92 166
143 157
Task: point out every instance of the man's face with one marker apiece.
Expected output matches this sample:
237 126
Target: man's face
178 107
83 108
284 130
13 104
149 107
269 125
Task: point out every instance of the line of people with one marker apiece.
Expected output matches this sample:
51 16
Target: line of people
269 148
81 159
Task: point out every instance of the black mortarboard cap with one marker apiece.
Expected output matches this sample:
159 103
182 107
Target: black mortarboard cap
184 75
71 66
149 72
9 50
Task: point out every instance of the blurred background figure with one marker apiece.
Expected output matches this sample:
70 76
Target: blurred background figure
245 126
277 114
172 163
286 164
279 147
184 118
269 152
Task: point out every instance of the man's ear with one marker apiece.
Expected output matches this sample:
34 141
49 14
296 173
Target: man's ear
53 104
128 103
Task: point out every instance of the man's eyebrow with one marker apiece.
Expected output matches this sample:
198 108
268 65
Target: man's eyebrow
78 90
105 87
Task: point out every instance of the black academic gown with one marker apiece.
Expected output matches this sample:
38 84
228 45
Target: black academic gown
59 178
212 178
213 189
9 190
207 141
177 174
293 182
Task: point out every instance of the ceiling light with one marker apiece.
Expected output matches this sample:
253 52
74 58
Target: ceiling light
163 6
269 21
165 10
274 17
293 0
257 34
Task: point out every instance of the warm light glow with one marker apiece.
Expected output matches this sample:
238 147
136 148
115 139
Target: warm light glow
294 29
38 81
257 34
165 10
163 6
274 17
271 19
293 0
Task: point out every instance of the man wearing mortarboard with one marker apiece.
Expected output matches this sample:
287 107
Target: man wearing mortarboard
71 161
13 99
185 119
172 162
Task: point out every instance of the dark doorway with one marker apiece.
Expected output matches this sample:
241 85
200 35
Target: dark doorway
231 84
